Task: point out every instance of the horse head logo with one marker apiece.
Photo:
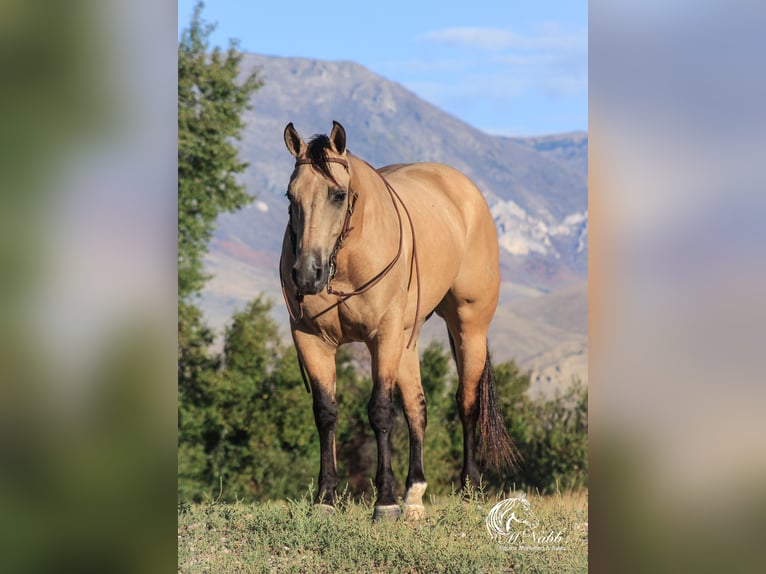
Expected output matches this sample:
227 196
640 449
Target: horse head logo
510 516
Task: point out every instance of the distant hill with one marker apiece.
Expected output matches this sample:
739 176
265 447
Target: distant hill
536 188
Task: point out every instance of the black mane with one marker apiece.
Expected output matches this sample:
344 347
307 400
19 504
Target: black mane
317 153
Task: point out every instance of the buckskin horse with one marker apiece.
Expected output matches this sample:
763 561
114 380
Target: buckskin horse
368 255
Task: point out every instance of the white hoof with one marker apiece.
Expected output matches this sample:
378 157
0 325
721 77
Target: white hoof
415 494
413 512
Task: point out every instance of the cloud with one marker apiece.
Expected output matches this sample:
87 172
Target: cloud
485 38
494 76
549 36
551 60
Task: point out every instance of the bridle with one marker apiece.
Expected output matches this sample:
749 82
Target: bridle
345 230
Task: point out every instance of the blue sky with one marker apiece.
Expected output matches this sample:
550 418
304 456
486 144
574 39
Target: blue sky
512 68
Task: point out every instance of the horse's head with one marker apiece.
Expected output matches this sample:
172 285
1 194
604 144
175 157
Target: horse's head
319 199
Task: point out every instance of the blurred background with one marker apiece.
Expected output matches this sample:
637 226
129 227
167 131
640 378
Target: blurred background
87 285
676 279
88 288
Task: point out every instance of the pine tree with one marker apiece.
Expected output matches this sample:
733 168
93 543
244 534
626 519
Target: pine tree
211 103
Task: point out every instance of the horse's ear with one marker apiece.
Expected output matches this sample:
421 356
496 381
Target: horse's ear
294 141
338 138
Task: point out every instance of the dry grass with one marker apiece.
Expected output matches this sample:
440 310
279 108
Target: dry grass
292 537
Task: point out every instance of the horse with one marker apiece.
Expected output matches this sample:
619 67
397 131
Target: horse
368 255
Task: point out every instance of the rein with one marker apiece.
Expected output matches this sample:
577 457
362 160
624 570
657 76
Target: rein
343 295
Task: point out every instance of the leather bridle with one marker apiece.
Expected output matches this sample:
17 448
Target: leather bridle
345 230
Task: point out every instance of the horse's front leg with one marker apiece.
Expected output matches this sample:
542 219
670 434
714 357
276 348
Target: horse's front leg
319 360
386 352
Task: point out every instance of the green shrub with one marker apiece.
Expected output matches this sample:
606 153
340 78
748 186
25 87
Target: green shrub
246 426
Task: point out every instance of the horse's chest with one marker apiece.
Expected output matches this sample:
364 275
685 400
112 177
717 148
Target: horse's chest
351 323
336 321
340 322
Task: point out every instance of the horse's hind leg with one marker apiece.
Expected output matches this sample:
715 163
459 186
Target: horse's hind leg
472 353
468 324
414 404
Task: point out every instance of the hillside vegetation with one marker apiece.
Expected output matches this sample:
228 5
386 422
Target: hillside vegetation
291 537
246 427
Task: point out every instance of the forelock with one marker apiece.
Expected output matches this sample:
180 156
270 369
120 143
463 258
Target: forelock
317 153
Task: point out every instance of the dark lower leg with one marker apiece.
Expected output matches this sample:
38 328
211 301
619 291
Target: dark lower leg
381 414
469 416
326 417
415 411
416 421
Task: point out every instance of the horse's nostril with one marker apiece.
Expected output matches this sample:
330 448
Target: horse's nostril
294 275
318 274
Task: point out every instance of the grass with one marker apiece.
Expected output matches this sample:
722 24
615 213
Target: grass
293 537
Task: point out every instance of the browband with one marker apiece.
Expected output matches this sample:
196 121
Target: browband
306 160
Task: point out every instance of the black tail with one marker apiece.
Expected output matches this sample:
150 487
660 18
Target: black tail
496 448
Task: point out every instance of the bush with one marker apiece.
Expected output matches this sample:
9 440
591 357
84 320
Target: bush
246 426
249 432
551 435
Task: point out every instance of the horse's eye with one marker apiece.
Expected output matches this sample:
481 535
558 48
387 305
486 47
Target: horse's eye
339 196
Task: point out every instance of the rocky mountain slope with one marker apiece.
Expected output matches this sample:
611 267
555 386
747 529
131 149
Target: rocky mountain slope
536 189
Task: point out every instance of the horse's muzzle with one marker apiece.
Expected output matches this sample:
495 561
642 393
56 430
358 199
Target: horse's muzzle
310 274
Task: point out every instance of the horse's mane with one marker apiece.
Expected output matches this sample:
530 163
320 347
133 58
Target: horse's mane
317 153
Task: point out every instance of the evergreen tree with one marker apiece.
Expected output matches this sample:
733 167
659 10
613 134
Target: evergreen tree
250 430
211 103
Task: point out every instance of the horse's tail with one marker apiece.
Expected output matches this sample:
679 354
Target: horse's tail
496 447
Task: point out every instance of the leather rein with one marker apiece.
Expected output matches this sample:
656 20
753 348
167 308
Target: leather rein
345 230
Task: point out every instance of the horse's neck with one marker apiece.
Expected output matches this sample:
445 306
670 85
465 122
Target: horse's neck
374 212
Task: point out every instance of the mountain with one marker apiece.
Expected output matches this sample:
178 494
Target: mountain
536 188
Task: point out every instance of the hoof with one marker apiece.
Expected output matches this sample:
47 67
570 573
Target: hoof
414 512
390 512
325 509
